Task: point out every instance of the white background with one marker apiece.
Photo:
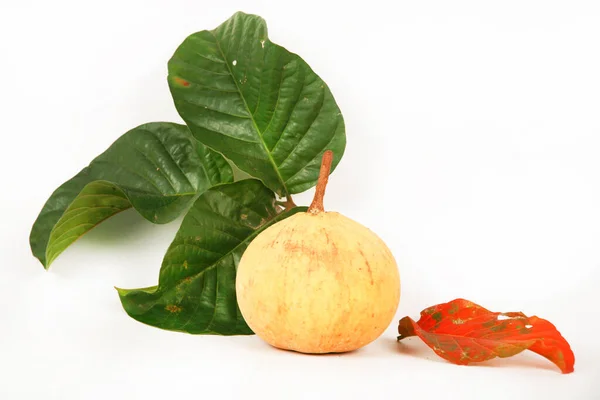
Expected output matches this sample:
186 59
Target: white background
473 151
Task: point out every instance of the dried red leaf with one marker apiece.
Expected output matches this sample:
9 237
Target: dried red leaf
463 332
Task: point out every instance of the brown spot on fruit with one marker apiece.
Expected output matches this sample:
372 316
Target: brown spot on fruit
368 266
291 246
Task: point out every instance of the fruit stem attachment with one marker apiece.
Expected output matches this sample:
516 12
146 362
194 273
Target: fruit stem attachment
317 204
289 203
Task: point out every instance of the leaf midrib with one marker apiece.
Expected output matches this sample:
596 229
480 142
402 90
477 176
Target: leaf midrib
266 149
480 338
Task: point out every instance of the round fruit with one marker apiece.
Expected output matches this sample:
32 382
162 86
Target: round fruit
318 282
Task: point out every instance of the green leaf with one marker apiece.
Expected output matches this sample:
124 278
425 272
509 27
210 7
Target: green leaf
259 105
158 168
196 289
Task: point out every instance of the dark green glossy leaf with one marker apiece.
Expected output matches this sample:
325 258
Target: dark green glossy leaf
196 289
158 168
256 103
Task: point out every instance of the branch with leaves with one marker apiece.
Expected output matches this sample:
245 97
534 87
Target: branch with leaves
247 102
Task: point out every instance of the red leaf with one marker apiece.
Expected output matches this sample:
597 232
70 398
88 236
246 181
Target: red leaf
463 332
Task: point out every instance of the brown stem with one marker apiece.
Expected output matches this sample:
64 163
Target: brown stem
289 203
317 204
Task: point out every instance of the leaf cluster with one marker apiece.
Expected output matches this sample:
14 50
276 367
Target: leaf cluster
248 104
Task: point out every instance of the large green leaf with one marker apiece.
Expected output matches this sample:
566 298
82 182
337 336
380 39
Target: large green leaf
256 103
196 289
158 168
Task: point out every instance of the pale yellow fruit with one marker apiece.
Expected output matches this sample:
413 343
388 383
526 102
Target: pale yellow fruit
318 282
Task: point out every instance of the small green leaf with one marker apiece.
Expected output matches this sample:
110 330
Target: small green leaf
158 168
196 289
258 104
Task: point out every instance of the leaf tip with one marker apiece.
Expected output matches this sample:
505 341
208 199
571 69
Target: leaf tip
45 263
43 260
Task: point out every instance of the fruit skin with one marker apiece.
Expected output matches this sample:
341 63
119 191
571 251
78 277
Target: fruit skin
318 283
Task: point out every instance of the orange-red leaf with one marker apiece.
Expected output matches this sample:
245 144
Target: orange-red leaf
463 332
